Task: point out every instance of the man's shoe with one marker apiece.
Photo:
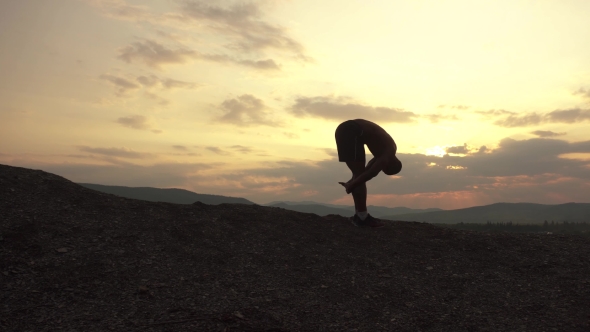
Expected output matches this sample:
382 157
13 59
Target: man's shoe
356 220
372 222
369 221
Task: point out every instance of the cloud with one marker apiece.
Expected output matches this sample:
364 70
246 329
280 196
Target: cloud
530 119
244 24
515 165
217 150
154 54
246 110
241 22
290 135
122 84
568 116
165 83
342 108
436 118
149 83
546 133
157 99
462 149
483 149
239 28
134 121
119 9
266 65
583 92
169 83
249 150
517 171
530 157
230 150
457 107
116 152
495 112
184 151
236 29
139 122
242 149
574 115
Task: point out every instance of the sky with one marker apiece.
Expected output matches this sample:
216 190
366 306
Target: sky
487 101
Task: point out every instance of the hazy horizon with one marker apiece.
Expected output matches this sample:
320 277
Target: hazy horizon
304 202
487 102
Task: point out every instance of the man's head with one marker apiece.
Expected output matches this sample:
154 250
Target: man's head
393 166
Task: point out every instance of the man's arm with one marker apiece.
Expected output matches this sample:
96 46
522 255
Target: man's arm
371 170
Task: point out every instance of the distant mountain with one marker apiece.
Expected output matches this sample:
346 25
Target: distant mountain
504 212
323 209
379 211
300 203
178 196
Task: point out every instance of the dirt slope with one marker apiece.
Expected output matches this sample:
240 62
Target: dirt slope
73 259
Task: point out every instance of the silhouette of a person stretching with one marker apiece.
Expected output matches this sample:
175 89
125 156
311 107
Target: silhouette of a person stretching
351 136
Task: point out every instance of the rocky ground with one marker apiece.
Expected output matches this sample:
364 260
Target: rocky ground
72 259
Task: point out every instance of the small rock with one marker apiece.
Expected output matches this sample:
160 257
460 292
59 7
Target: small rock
62 250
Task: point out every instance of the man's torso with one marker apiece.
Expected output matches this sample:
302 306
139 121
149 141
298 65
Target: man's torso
376 138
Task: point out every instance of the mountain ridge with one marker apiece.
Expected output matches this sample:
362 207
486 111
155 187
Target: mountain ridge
169 195
504 212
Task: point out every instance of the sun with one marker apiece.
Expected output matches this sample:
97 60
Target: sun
436 151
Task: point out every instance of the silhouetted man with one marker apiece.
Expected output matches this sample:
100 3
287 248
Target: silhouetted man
351 136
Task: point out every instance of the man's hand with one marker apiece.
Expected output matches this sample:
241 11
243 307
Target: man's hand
373 168
346 186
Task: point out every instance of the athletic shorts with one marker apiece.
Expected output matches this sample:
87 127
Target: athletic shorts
349 143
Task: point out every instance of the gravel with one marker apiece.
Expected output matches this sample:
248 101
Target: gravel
73 259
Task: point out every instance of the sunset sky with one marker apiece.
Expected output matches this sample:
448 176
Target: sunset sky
488 101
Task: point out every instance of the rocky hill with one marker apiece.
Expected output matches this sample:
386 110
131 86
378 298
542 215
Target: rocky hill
73 259
322 209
